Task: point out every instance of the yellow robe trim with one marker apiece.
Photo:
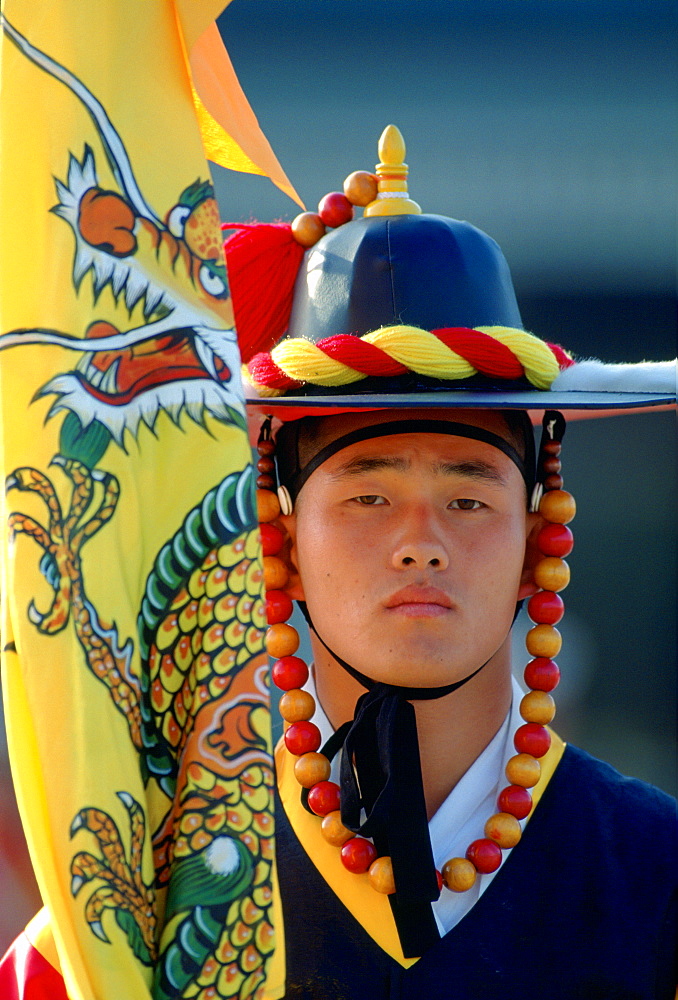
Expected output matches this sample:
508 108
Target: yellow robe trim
371 909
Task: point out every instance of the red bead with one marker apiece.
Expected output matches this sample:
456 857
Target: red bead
278 606
516 800
532 738
552 447
265 465
357 855
485 855
553 482
323 798
439 877
542 674
545 608
289 672
335 209
266 447
265 482
272 539
551 464
555 540
301 738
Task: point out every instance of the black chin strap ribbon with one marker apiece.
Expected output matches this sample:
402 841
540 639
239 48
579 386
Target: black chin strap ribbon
382 795
381 781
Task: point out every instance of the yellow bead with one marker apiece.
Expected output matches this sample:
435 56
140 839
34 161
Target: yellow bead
311 768
523 770
268 506
308 228
297 706
333 830
557 506
381 876
552 574
538 706
503 829
360 187
544 640
275 573
458 874
281 640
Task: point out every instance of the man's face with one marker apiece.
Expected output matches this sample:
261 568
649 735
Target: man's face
410 549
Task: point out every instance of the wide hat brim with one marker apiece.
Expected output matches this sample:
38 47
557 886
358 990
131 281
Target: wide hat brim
580 404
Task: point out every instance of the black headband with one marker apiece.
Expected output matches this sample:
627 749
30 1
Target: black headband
297 478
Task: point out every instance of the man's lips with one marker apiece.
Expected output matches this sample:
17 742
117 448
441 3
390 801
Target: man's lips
420 602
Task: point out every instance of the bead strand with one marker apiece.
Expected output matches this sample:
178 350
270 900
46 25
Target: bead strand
297 707
532 740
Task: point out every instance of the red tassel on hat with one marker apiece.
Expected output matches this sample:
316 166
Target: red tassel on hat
262 261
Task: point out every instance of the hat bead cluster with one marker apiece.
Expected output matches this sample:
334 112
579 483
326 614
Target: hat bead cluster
336 208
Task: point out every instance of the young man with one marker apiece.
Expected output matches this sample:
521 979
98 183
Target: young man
410 495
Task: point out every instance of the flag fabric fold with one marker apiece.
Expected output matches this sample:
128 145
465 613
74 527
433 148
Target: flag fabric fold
134 674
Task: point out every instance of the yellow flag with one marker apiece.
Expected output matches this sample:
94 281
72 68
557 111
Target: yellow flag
134 677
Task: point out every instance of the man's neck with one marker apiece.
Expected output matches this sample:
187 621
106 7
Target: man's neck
453 731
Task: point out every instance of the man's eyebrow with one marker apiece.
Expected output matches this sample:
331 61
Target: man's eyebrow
359 466
478 470
481 471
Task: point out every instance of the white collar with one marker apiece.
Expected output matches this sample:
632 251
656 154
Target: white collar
462 816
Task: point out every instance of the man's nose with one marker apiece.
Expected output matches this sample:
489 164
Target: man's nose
420 546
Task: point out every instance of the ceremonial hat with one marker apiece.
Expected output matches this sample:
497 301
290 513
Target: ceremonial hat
400 309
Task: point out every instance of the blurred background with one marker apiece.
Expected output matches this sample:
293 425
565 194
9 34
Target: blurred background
552 126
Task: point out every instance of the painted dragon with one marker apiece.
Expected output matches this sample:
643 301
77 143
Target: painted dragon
193 687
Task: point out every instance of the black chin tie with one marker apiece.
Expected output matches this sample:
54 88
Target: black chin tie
382 795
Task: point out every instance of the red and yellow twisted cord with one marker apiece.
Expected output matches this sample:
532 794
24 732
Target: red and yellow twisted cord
449 354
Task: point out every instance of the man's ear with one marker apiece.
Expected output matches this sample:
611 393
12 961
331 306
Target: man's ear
293 588
528 587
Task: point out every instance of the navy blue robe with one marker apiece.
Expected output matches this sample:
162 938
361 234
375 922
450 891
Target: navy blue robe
584 908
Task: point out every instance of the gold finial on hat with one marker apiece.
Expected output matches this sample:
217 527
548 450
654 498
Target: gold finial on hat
392 198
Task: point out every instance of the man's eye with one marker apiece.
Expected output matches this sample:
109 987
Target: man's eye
463 504
371 500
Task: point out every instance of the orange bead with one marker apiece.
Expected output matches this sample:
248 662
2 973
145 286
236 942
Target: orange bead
297 706
552 573
360 187
275 573
381 876
523 770
281 640
503 829
458 874
308 228
268 506
312 768
558 507
333 830
543 640
538 706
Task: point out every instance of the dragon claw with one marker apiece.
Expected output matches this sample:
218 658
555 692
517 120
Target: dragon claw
77 883
76 825
99 931
34 615
12 483
126 799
